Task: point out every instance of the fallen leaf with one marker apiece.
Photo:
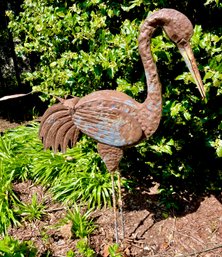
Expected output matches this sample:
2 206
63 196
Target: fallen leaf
106 251
66 230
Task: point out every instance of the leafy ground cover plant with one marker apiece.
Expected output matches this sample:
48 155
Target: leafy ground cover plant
8 199
17 144
10 247
114 251
32 211
75 176
82 224
84 249
92 188
14 146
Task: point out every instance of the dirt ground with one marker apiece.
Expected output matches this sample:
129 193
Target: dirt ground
147 232
4 124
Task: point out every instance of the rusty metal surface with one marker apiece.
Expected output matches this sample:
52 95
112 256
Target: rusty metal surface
114 119
110 155
110 117
57 129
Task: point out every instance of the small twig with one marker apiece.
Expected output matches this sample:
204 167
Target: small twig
32 185
185 247
174 228
144 232
202 251
191 254
192 237
139 224
131 240
56 209
140 247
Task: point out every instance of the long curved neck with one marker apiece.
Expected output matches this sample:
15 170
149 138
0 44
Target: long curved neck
152 78
152 107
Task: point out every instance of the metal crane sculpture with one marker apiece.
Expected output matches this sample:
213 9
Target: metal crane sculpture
114 119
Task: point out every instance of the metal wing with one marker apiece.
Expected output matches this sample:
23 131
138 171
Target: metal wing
109 122
57 129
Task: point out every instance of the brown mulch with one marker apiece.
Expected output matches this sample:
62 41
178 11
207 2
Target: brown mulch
196 234
49 234
5 125
148 233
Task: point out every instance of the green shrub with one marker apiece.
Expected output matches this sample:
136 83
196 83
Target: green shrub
10 247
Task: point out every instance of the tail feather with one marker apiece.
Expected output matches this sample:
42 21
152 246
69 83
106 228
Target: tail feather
57 129
53 109
51 122
49 137
60 135
70 138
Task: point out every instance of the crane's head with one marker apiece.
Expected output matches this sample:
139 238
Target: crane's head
180 30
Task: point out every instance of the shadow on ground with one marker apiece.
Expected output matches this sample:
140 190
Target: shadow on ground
163 189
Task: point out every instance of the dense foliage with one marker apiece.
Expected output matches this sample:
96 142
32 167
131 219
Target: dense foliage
79 47
76 47
68 47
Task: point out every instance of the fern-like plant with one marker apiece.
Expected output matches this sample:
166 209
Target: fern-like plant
8 199
32 211
82 224
94 188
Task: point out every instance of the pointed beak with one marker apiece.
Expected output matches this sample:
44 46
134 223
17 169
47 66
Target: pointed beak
188 56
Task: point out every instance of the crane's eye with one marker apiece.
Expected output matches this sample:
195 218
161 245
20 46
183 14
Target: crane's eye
182 42
174 38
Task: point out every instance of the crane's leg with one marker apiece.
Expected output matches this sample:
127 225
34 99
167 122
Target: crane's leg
112 156
120 203
114 208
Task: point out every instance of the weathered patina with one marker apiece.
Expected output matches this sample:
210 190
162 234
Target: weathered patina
114 119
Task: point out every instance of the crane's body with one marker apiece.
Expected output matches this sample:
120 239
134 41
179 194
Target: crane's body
112 118
116 118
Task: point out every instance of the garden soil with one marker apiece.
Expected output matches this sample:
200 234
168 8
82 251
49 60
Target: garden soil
148 231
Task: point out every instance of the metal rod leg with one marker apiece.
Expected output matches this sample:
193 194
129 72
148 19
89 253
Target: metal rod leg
114 209
120 204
